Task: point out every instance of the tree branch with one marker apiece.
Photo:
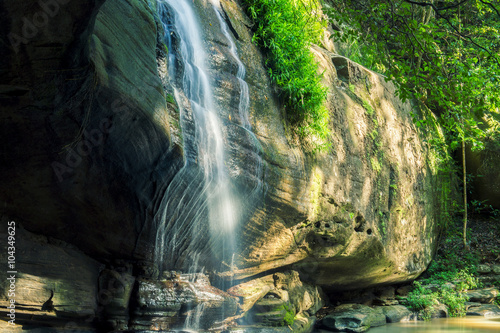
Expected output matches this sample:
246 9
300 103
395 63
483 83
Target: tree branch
490 5
429 4
451 24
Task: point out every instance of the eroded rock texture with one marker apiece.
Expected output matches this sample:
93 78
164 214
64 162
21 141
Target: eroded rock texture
90 142
362 213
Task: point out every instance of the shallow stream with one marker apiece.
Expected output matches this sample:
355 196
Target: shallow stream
450 325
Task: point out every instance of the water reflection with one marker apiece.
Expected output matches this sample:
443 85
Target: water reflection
449 325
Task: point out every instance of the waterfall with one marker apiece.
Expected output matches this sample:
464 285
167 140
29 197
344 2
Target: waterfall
243 107
201 208
200 199
244 102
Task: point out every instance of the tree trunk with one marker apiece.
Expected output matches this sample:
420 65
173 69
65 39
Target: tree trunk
465 194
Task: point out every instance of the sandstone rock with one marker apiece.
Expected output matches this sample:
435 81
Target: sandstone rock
115 289
471 305
434 311
286 299
385 296
87 131
404 290
396 313
489 280
344 221
186 299
56 284
485 310
487 295
483 269
353 318
496 269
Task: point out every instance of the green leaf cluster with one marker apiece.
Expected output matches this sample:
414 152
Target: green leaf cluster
285 30
445 54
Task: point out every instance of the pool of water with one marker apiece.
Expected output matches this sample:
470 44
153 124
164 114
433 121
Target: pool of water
449 325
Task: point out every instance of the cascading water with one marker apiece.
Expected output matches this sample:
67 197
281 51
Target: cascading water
243 108
200 210
200 198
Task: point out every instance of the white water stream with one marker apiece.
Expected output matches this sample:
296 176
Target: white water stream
200 208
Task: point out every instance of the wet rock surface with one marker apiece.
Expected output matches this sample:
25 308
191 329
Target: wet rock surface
484 310
280 299
396 313
353 318
183 300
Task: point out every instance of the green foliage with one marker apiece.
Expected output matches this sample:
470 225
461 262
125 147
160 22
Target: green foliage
375 164
421 298
368 108
289 316
285 29
170 99
450 275
454 301
446 58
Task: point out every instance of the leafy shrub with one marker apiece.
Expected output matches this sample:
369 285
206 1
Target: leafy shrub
421 298
285 29
455 301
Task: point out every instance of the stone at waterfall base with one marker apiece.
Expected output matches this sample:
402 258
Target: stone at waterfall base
353 318
396 313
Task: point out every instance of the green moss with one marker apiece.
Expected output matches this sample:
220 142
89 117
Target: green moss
316 181
368 108
375 164
289 317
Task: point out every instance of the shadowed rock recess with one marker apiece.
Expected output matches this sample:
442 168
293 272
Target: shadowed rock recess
91 139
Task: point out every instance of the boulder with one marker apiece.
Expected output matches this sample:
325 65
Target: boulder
434 311
279 299
353 318
487 295
396 313
485 310
484 269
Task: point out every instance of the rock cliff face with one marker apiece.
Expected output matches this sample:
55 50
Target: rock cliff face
360 214
91 141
